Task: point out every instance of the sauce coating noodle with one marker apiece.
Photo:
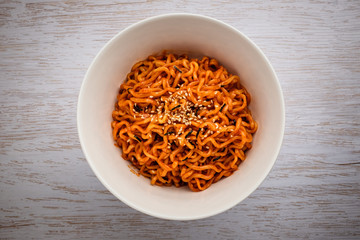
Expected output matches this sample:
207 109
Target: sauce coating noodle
183 121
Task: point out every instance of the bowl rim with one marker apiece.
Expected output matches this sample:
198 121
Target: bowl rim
146 21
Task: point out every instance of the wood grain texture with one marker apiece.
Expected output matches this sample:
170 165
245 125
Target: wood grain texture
47 189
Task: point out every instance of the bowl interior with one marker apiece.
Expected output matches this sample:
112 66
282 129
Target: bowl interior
195 35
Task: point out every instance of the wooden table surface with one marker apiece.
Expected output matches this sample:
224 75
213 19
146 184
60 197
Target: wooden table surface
47 189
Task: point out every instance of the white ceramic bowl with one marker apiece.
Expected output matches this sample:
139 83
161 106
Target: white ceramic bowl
198 35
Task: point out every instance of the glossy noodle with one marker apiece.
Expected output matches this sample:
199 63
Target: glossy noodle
183 121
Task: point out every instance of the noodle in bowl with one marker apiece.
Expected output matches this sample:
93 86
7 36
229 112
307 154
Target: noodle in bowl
196 36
